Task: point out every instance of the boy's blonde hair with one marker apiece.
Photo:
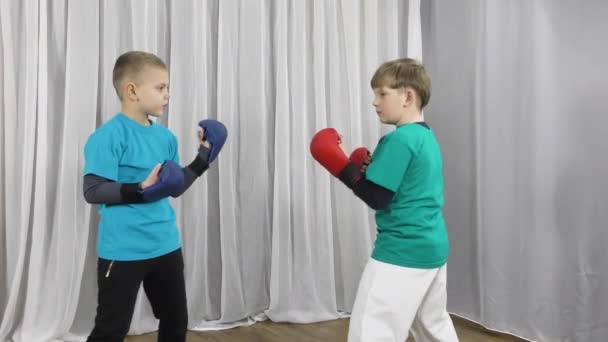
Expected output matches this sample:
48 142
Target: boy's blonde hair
130 64
401 73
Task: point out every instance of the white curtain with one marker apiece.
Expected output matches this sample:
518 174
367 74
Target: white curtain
519 107
265 230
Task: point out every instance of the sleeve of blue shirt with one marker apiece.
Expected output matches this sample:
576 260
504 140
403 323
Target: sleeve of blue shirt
174 150
102 155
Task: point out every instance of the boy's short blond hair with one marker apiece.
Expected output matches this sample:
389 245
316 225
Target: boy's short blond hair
130 64
401 73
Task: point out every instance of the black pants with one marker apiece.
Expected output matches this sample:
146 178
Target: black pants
118 283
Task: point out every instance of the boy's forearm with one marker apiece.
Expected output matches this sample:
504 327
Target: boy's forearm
198 166
99 190
372 194
189 177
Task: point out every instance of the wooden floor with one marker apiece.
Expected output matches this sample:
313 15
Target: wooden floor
330 331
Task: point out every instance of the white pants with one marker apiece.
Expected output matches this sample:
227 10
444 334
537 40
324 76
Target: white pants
392 299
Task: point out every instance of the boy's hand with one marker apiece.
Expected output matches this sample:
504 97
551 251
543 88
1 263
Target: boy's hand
342 145
215 133
361 157
366 163
327 149
169 182
201 139
152 177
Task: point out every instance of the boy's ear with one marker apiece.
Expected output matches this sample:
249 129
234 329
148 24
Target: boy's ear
409 97
130 91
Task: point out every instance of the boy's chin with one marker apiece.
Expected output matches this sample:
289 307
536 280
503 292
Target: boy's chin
156 115
385 121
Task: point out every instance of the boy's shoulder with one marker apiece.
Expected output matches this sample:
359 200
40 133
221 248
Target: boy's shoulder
412 133
163 131
163 128
109 129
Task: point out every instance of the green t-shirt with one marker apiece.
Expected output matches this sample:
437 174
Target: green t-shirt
411 230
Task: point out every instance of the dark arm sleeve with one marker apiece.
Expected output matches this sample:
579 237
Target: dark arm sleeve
198 166
373 195
99 190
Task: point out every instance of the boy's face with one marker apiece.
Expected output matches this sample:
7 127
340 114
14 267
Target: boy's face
390 104
153 90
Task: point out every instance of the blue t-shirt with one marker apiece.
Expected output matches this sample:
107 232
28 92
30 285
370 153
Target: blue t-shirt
125 151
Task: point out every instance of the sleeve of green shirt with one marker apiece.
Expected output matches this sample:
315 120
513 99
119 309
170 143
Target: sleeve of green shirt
389 163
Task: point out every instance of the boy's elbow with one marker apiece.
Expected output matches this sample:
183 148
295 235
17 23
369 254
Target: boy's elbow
179 193
378 205
89 197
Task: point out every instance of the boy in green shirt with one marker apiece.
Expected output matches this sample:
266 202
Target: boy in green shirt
403 286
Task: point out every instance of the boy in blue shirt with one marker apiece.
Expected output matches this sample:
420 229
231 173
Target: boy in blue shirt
131 167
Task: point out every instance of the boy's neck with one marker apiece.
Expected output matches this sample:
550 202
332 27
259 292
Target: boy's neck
136 115
409 117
